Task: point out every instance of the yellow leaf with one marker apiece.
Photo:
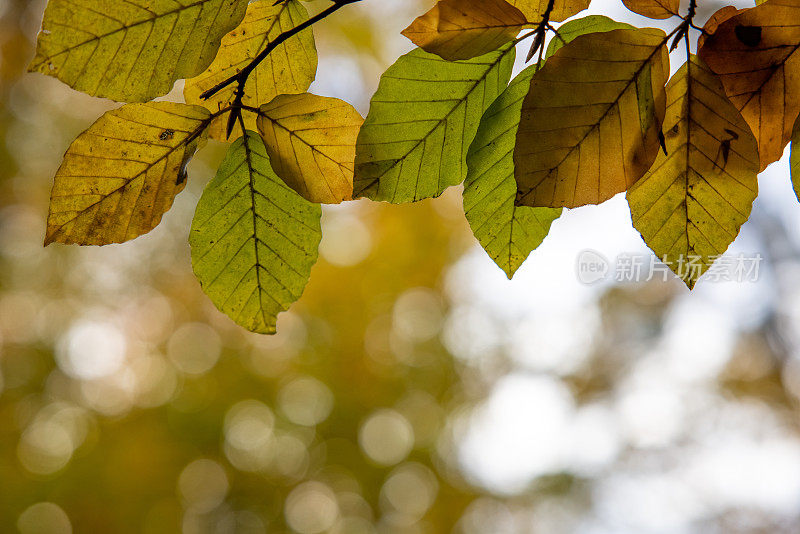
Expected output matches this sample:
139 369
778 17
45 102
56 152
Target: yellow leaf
591 121
132 50
290 68
654 9
690 205
756 54
311 141
562 9
464 29
121 175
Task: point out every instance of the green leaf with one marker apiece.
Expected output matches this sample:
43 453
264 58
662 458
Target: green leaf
131 50
507 233
690 205
121 175
575 28
254 240
289 69
425 113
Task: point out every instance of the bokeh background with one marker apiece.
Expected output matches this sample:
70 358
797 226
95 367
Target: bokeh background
413 389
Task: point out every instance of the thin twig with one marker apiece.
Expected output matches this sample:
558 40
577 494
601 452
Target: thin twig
243 74
539 32
240 78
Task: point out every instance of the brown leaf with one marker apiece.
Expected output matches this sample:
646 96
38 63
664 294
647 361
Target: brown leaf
654 9
591 120
756 54
715 20
464 29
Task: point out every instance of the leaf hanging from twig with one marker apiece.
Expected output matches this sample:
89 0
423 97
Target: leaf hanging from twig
121 175
756 54
290 68
131 51
311 141
413 144
591 121
254 240
690 205
464 29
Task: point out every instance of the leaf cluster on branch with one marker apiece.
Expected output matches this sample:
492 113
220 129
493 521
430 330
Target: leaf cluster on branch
594 115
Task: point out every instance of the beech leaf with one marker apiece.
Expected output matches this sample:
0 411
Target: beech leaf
311 141
253 239
132 50
562 9
507 233
690 205
591 121
414 141
464 29
654 9
756 54
121 175
290 68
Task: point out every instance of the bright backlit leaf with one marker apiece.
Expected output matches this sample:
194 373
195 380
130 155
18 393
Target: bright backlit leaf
690 205
413 144
121 175
311 141
290 68
756 54
254 240
591 121
464 29
507 233
131 50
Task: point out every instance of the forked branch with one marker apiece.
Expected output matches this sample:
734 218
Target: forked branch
240 78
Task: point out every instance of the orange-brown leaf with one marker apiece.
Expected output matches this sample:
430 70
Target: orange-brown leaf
654 9
590 123
464 29
756 54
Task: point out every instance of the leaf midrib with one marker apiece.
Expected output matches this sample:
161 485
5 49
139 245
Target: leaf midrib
611 106
439 122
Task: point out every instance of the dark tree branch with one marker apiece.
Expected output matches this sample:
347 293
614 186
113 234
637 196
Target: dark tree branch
683 29
539 33
240 78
